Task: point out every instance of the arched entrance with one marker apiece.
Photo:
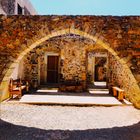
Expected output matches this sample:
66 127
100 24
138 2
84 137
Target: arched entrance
97 40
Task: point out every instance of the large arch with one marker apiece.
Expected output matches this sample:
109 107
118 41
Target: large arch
99 41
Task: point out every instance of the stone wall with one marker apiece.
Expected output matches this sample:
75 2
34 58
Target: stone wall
119 76
119 35
8 6
34 63
72 64
18 71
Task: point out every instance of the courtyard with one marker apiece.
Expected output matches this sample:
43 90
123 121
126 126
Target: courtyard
74 55
69 72
44 122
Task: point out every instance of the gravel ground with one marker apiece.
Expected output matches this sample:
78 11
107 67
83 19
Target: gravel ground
42 122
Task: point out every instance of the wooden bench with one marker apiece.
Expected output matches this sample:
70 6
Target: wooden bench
119 93
17 86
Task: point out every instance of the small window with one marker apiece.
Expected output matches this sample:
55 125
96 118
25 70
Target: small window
19 10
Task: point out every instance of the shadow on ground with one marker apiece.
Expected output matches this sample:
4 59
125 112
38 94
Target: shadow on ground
10 131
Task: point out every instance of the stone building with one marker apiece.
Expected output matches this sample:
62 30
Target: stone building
65 58
16 7
81 49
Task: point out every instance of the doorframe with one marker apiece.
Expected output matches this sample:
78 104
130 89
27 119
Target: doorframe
46 63
94 56
97 56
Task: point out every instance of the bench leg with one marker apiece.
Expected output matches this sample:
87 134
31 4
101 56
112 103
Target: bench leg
120 96
114 92
20 93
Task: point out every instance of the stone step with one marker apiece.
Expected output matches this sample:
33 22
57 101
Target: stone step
99 88
96 89
100 83
99 91
53 90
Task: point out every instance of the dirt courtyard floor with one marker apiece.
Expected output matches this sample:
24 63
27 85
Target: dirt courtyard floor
44 122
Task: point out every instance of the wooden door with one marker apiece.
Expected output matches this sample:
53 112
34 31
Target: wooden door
52 69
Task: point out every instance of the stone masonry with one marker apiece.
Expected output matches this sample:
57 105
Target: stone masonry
72 63
120 36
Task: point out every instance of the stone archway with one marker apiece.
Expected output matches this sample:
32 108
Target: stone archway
132 91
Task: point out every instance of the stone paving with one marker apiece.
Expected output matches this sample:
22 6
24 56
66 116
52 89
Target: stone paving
70 100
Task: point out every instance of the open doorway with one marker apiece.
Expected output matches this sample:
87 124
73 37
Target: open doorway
97 67
100 69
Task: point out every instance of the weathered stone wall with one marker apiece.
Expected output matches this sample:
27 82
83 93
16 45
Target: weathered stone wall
73 59
8 6
119 76
122 33
34 63
119 35
18 71
74 62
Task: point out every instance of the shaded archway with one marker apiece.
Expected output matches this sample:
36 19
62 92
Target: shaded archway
132 92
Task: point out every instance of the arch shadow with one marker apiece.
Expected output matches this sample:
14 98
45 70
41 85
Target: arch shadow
9 131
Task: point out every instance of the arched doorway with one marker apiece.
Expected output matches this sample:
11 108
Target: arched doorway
5 81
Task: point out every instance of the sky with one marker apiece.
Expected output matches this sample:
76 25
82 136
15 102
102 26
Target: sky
87 7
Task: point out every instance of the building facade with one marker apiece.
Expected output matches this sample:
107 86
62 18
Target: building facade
80 49
16 7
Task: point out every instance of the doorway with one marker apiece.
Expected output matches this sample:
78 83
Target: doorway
100 69
97 67
52 69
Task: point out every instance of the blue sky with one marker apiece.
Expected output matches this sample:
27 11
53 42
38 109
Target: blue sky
87 7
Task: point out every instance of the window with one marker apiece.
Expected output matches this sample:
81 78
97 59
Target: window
19 10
